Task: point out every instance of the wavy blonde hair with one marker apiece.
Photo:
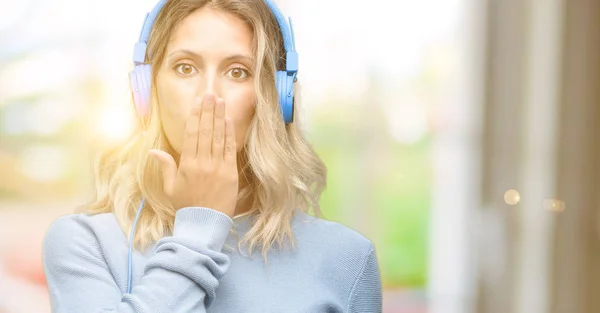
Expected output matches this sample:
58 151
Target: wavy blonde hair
281 170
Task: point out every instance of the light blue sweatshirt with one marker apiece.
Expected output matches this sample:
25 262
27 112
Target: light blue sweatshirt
332 269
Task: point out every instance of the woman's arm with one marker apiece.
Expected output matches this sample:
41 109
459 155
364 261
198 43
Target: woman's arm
182 276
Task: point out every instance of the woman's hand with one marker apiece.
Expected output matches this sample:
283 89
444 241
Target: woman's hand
207 175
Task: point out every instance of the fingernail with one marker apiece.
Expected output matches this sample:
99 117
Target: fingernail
209 97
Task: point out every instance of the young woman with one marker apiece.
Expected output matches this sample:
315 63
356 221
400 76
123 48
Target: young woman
216 169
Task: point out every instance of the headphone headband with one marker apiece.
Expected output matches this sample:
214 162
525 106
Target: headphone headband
139 52
289 42
287 33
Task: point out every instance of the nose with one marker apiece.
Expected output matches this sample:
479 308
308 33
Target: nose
210 84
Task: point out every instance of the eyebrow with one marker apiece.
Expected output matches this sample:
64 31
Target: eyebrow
248 59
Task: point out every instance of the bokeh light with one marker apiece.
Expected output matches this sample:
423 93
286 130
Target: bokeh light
512 197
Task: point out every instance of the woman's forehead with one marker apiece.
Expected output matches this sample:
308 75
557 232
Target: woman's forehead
209 30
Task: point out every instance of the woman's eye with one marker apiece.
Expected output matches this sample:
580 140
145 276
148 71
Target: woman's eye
185 69
238 73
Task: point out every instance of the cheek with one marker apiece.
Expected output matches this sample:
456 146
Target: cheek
175 101
240 108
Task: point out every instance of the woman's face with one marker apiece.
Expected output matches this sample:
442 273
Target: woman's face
209 52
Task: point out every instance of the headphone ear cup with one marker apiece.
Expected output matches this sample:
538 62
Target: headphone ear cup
140 83
285 85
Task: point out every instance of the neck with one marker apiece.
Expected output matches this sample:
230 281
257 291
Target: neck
243 206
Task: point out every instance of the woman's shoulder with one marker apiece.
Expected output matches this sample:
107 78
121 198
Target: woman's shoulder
336 252
77 222
330 234
74 229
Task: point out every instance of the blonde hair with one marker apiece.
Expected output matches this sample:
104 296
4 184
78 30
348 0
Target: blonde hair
282 171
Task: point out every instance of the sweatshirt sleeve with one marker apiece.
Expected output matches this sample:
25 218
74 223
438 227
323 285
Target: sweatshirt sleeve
182 275
366 293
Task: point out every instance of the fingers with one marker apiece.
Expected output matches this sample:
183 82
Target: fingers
205 133
218 141
190 137
229 151
168 168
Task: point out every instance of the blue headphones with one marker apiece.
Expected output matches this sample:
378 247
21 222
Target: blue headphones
140 78
140 81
